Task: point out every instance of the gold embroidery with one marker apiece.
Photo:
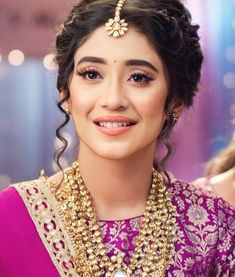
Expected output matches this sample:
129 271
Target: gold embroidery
43 209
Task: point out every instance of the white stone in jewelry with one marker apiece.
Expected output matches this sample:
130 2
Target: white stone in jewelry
117 27
120 273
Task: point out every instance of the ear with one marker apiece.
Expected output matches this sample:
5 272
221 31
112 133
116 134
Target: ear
176 110
177 107
67 103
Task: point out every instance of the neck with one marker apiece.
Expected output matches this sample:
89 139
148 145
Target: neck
119 188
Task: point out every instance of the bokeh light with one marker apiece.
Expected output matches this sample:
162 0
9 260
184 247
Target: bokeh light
16 57
229 80
48 62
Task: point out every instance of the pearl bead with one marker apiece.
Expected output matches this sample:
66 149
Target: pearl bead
120 273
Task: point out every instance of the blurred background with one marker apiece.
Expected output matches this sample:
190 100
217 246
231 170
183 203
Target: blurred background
28 95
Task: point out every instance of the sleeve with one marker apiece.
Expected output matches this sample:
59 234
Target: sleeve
225 258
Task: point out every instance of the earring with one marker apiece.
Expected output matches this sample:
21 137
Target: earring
67 111
175 116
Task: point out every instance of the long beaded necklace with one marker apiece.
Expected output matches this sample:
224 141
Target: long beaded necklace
154 243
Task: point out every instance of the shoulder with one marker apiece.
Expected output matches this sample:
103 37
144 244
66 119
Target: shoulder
186 197
16 196
8 196
16 224
11 202
18 204
203 183
205 221
10 199
21 215
16 200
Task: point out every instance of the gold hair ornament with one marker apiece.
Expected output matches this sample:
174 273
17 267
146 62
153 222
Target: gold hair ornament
117 26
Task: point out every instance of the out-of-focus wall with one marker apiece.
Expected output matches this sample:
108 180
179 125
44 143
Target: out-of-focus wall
30 25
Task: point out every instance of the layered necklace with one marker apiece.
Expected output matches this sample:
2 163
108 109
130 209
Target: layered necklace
154 243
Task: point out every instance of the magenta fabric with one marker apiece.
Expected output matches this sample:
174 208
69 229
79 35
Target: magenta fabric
22 253
204 245
120 236
205 238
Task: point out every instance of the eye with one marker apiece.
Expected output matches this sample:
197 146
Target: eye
140 78
89 74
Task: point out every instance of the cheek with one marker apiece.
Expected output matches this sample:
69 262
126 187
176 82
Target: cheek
153 105
79 97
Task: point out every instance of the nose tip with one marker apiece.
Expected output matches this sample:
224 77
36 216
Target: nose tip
115 99
114 104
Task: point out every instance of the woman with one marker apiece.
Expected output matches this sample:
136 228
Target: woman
220 172
125 71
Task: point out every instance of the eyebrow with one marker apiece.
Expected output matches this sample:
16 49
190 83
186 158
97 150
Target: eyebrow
141 63
91 59
129 62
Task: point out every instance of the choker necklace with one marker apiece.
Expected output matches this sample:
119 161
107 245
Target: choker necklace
154 243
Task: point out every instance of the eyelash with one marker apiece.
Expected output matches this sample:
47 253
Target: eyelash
146 78
84 73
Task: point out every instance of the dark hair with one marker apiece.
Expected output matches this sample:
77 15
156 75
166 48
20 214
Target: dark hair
223 161
166 23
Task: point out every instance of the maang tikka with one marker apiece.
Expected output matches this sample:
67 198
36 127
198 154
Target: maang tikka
117 27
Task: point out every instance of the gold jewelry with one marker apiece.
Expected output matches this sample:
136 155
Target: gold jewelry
67 111
154 243
175 116
117 27
42 173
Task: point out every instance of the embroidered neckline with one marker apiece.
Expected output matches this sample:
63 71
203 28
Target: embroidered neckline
120 220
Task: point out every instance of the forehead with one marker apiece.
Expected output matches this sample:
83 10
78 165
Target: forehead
133 45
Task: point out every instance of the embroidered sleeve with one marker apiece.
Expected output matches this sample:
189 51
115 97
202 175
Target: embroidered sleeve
205 241
226 245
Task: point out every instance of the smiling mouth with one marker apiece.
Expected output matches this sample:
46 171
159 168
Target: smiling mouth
114 124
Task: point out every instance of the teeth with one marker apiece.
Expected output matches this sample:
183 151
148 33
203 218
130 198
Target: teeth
114 124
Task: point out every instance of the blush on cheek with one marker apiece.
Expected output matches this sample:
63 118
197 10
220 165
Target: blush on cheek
153 102
77 99
153 108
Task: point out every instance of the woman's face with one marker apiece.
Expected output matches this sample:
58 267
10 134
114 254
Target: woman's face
118 92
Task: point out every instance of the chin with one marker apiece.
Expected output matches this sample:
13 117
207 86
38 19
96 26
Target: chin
113 155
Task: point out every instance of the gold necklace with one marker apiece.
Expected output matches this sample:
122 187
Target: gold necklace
154 243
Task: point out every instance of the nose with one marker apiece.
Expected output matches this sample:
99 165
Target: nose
114 97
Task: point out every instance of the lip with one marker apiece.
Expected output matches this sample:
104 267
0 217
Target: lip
116 118
114 131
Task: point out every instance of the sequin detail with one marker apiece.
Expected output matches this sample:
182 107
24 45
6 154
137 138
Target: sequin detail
36 199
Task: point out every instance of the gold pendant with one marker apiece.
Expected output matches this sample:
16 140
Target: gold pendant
120 273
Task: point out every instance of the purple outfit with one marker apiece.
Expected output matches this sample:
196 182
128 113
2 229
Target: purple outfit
34 243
